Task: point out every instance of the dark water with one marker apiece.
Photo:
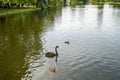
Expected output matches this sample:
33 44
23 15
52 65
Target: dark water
93 52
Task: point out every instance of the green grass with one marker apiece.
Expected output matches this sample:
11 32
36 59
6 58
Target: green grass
112 3
5 12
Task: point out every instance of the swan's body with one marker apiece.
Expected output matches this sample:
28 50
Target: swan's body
52 54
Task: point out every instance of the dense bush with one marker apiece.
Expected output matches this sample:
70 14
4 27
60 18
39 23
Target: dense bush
1 4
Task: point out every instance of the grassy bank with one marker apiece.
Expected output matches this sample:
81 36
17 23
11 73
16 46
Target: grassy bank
111 3
6 12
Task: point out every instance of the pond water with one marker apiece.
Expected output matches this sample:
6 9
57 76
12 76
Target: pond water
93 52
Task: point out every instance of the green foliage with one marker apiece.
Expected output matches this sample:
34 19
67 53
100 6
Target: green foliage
77 2
38 3
54 3
1 3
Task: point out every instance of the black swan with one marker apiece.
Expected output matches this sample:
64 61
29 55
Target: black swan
52 54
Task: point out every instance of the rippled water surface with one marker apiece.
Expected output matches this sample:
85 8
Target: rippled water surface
93 52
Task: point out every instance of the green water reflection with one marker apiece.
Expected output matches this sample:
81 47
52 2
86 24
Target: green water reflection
21 34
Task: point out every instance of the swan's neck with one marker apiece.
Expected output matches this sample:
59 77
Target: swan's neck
56 51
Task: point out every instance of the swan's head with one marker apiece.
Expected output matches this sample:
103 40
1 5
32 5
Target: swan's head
57 47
